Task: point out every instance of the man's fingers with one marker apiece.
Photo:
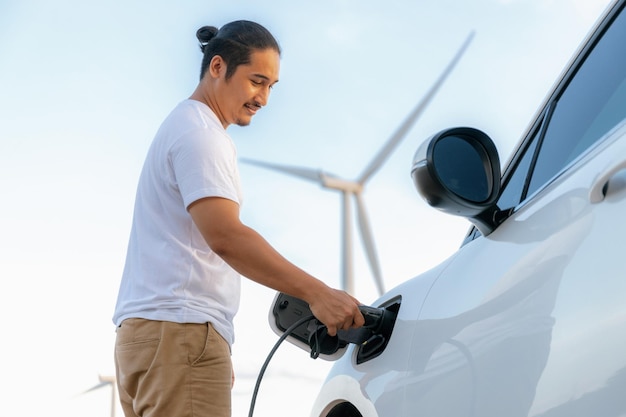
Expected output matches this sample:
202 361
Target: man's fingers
359 321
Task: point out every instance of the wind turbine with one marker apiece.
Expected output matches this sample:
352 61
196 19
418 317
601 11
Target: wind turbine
104 381
354 188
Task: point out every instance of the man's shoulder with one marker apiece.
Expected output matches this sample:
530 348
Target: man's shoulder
196 113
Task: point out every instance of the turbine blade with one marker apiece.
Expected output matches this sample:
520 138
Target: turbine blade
96 387
412 117
368 243
314 175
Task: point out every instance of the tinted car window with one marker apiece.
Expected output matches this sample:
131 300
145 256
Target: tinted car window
593 102
512 193
588 106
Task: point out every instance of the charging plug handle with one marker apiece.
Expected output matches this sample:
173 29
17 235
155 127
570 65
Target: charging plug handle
374 317
376 321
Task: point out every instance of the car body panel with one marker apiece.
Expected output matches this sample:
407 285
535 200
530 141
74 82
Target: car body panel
490 350
515 340
395 358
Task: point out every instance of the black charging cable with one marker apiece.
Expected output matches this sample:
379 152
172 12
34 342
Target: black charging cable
321 343
269 357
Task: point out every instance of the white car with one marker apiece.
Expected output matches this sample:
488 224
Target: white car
528 317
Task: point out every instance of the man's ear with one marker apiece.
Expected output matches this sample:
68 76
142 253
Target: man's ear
217 67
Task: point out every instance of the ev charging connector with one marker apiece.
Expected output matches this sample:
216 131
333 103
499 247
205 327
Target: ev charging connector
313 336
292 317
378 323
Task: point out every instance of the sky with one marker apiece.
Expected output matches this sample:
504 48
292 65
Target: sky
84 86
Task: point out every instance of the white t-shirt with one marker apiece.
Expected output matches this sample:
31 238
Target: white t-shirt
171 274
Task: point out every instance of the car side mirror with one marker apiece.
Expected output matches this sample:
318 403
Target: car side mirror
458 171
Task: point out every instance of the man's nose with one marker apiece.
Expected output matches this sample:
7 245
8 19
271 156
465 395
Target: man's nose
263 96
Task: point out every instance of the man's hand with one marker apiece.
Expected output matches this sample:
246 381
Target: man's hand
337 310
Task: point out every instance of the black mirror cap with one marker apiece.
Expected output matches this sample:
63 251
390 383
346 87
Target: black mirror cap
458 171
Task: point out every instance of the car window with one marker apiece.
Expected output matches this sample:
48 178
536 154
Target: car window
512 191
588 106
591 105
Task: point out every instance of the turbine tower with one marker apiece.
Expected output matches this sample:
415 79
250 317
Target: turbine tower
354 188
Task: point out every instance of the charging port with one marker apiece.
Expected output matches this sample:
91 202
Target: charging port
378 339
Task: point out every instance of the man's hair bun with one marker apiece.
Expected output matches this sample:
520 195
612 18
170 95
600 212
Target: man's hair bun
205 34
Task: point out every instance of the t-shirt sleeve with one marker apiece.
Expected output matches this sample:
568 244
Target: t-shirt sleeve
204 163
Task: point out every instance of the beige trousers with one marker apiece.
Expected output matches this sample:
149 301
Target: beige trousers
167 369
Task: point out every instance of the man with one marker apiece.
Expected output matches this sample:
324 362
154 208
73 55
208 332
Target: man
180 287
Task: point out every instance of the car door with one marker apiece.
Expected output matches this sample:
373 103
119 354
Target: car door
530 320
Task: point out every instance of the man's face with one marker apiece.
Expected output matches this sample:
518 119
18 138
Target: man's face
241 96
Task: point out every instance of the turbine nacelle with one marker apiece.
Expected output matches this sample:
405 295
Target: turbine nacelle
342 185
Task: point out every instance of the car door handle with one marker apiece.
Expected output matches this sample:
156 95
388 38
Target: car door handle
601 182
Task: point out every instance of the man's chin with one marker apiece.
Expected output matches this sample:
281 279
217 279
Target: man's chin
243 122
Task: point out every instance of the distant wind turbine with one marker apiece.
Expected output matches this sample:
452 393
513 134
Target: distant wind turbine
354 188
104 381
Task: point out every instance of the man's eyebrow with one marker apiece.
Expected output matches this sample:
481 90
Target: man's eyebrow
264 77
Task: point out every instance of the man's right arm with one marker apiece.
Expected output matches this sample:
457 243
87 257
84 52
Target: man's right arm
252 256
